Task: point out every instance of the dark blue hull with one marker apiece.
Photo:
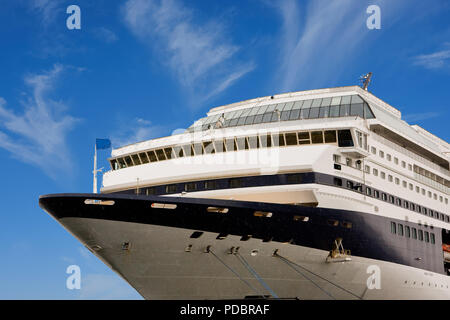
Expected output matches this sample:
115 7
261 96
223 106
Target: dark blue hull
365 235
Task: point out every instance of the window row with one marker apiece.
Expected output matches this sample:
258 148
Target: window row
414 168
294 178
432 176
388 157
377 194
406 184
340 137
413 233
357 165
304 109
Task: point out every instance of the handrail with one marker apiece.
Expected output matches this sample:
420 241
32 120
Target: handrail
410 154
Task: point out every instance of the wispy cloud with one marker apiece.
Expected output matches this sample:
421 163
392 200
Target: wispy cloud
435 60
48 9
134 131
414 117
200 56
38 135
320 39
105 35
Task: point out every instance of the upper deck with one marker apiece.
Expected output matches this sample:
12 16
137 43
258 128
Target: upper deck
305 109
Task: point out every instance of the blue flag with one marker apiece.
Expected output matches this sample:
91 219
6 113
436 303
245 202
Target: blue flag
102 144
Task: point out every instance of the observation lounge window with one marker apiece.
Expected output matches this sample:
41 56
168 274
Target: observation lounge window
286 111
344 110
295 112
260 114
340 106
314 113
251 116
345 138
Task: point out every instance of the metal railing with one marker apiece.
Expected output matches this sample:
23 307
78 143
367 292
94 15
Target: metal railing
410 154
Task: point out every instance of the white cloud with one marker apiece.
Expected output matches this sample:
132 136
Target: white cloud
38 135
105 34
434 60
47 8
199 55
317 43
134 131
414 117
320 40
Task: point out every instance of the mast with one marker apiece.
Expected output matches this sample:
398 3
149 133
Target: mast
365 79
95 170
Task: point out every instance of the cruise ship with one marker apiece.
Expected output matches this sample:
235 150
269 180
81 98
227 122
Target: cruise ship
319 194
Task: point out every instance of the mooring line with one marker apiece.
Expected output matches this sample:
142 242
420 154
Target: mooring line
323 290
235 273
334 284
255 274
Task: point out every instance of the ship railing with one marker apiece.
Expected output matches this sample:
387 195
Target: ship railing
410 154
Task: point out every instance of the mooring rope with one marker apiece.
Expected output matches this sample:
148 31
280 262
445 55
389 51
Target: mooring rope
276 254
237 274
255 274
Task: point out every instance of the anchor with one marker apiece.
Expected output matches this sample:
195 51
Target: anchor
338 253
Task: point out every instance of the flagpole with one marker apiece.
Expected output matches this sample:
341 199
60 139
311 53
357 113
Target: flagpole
95 169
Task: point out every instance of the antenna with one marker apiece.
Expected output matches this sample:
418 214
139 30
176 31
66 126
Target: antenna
365 80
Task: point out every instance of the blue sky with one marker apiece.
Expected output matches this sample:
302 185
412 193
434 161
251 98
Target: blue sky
141 69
